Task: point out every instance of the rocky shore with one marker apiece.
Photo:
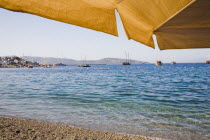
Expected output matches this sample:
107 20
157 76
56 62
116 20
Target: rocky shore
21 129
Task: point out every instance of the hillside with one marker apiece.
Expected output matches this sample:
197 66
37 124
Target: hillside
52 60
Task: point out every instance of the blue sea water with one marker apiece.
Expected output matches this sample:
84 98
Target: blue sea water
172 101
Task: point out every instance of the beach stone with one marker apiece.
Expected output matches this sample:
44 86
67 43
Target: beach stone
18 131
76 138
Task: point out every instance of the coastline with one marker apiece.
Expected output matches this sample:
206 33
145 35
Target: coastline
24 129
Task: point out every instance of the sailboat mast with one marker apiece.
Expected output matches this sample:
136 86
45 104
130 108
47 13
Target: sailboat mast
128 57
125 56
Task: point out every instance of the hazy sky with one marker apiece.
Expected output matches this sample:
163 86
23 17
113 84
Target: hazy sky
30 35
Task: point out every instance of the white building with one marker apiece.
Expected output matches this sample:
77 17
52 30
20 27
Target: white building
16 61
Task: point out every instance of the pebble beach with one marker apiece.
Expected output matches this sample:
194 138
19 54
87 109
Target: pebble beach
23 129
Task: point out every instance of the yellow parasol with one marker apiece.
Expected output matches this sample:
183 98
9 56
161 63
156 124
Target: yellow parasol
178 24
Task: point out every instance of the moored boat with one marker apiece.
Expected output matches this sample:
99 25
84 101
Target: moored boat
126 63
84 65
47 66
158 63
126 59
173 63
59 64
30 66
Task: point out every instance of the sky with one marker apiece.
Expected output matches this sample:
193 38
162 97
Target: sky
29 35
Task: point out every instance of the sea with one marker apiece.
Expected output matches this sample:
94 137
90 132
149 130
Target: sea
171 101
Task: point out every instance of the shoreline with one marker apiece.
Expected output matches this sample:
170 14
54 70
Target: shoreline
24 129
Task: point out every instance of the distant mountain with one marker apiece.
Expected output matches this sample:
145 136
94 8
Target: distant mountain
113 61
52 60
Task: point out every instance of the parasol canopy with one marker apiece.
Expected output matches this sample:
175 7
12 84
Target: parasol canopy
178 24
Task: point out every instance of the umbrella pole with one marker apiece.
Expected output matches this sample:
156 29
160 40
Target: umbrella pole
158 61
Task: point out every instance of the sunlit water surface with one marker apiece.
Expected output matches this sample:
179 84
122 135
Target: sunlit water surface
172 101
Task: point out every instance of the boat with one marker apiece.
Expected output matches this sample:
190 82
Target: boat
126 63
173 63
127 59
30 66
84 65
47 66
158 63
59 64
207 62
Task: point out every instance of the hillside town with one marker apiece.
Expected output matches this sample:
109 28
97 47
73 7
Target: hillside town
17 62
